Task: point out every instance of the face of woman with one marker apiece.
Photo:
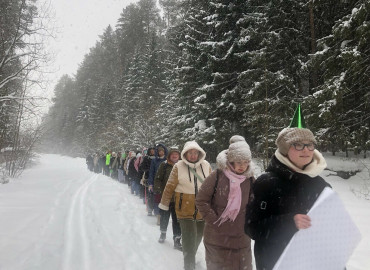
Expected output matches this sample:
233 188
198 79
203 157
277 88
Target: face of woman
241 166
174 157
161 153
300 158
192 155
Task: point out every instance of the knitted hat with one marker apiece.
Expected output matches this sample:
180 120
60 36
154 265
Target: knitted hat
296 132
236 138
172 150
238 150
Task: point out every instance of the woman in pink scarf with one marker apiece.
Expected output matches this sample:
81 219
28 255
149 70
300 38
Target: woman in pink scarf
222 201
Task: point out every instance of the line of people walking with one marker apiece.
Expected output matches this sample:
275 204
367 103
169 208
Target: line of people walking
227 207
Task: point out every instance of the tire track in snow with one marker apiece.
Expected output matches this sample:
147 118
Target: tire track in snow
76 253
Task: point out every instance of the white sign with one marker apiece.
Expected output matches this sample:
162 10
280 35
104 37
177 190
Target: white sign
328 243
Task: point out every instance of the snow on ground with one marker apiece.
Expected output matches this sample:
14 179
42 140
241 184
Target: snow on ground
59 215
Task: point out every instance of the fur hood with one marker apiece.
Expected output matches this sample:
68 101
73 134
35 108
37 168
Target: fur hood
222 164
193 145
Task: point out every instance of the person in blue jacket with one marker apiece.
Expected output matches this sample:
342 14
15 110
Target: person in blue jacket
160 156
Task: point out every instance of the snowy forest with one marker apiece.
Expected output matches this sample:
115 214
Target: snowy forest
206 70
23 58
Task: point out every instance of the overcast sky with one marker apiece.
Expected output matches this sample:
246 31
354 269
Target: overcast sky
79 24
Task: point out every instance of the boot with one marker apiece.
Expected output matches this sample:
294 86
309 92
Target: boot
162 238
177 243
158 220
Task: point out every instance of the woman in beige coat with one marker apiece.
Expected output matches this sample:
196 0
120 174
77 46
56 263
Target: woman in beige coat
185 180
222 201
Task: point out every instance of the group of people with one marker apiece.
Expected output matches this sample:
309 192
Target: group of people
227 207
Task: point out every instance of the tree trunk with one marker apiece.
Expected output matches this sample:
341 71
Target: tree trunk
313 43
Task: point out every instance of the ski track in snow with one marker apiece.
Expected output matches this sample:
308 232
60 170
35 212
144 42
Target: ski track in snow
76 238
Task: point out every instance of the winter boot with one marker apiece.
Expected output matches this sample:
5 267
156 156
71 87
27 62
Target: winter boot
162 237
177 243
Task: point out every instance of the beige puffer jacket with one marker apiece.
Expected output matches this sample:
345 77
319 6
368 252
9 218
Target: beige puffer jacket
185 185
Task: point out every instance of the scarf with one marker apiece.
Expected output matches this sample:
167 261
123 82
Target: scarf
235 197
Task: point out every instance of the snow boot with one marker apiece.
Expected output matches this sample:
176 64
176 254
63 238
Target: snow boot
177 243
162 238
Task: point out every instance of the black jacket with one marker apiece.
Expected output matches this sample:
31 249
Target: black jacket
278 195
132 172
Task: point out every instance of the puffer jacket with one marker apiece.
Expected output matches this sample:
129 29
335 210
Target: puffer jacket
185 185
212 201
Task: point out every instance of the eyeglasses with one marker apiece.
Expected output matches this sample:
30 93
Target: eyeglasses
300 146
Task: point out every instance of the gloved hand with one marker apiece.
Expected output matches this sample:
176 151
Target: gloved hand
150 188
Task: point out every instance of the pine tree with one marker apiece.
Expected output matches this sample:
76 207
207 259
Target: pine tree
343 97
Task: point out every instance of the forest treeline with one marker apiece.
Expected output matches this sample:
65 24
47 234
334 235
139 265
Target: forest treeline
206 70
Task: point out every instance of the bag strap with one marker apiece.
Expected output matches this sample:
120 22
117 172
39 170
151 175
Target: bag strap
215 188
196 175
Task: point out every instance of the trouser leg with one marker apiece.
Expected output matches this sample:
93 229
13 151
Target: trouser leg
149 200
165 217
192 233
175 223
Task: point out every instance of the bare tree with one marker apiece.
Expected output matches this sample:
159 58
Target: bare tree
23 30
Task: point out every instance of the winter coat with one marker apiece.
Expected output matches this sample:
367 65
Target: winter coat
96 160
115 162
161 176
155 164
145 165
89 159
107 159
280 194
185 185
125 164
212 201
132 172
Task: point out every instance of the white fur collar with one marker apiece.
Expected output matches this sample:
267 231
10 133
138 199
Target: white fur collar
313 169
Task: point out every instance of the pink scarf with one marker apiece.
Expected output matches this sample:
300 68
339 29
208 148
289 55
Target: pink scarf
137 163
235 197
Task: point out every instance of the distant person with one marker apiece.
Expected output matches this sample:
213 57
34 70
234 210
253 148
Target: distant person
285 193
160 156
144 172
160 182
96 162
107 163
90 162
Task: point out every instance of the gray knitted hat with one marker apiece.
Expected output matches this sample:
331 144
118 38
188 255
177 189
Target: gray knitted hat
236 138
288 136
238 150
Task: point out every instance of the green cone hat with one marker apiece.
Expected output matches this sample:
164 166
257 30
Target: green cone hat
298 119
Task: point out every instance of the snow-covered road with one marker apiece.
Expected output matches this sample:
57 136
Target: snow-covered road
61 216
